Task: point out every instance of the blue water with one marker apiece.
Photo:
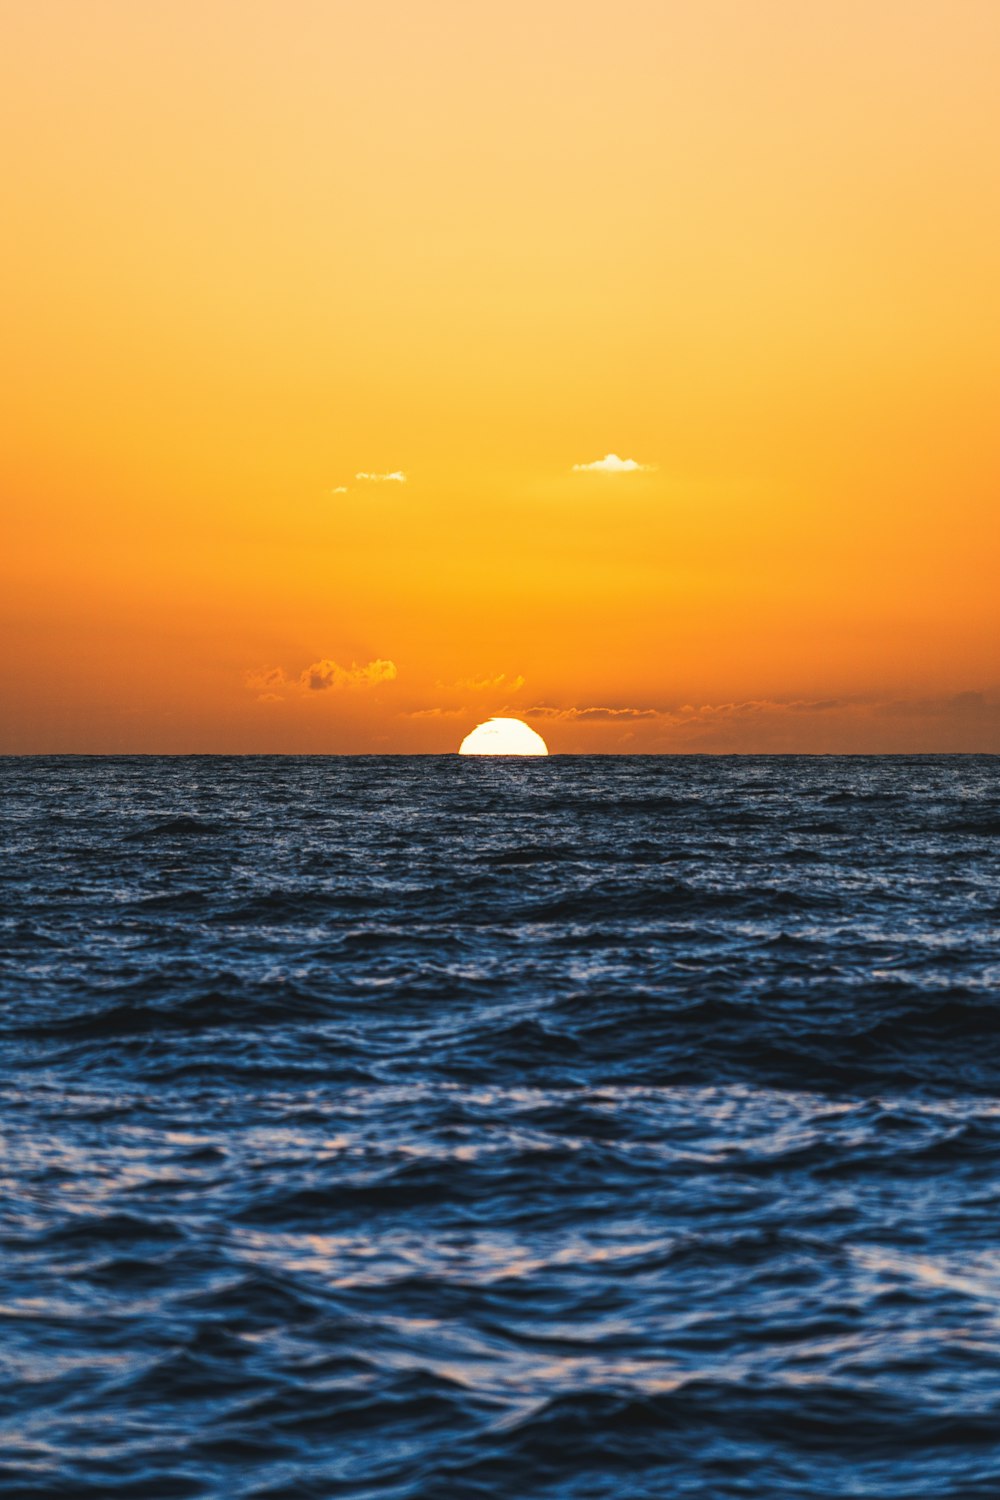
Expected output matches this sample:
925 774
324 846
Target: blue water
473 1128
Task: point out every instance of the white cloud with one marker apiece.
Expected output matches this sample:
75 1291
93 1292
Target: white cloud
396 477
340 490
612 464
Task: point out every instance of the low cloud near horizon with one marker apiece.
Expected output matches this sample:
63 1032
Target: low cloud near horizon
686 713
963 721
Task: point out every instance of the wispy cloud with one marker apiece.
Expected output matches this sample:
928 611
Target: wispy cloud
487 684
437 713
751 707
612 464
396 477
469 689
326 674
270 683
686 713
592 712
970 704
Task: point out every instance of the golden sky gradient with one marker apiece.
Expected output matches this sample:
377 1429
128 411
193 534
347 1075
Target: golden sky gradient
253 250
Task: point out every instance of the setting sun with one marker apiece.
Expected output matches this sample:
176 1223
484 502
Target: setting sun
503 737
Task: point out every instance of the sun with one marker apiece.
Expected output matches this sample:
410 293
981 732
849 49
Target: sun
503 737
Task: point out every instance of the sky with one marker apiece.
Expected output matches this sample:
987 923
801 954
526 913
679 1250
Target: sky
321 321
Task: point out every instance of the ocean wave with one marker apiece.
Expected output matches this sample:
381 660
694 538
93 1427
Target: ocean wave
594 1128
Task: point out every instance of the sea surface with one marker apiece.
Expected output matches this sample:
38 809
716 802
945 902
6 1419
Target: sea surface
567 1129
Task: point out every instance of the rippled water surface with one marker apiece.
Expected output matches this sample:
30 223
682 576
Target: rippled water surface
455 1128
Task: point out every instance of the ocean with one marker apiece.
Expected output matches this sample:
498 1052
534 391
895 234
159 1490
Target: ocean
566 1129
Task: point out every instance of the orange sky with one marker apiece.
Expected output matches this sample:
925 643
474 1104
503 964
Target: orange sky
253 249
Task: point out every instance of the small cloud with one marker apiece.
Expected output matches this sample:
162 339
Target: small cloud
396 477
266 682
612 464
271 685
326 674
340 490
